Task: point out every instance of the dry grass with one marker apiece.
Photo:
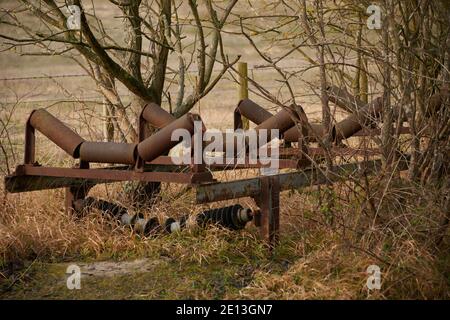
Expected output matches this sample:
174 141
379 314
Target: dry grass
324 252
316 259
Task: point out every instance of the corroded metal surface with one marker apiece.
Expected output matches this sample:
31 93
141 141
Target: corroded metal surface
56 131
26 177
251 111
356 121
108 152
161 142
292 180
156 116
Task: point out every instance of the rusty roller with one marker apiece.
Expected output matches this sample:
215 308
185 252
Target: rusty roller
354 123
251 111
264 119
161 142
157 116
318 132
281 121
258 115
56 131
108 152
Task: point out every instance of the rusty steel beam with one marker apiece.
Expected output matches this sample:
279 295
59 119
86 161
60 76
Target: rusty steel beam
355 122
56 131
232 163
31 178
16 184
23 183
292 180
269 214
161 142
108 152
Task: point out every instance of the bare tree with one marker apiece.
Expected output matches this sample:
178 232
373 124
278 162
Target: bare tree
153 32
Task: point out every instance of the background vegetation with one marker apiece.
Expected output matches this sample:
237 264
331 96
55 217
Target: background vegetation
182 54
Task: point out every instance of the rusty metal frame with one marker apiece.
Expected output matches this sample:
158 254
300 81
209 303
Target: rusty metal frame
269 204
63 176
265 190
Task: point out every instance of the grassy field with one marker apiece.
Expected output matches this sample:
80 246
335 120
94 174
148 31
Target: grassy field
323 252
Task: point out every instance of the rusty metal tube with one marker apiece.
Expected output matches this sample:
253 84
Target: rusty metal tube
108 152
161 142
157 116
354 123
56 131
318 131
253 111
281 121
258 115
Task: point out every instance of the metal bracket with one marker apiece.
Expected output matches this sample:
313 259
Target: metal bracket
73 194
30 142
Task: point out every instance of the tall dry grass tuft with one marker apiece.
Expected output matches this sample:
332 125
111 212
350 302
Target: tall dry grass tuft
34 225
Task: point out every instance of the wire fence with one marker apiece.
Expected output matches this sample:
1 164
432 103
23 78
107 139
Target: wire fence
49 89
252 69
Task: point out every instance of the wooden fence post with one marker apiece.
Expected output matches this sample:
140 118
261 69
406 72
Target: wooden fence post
243 89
